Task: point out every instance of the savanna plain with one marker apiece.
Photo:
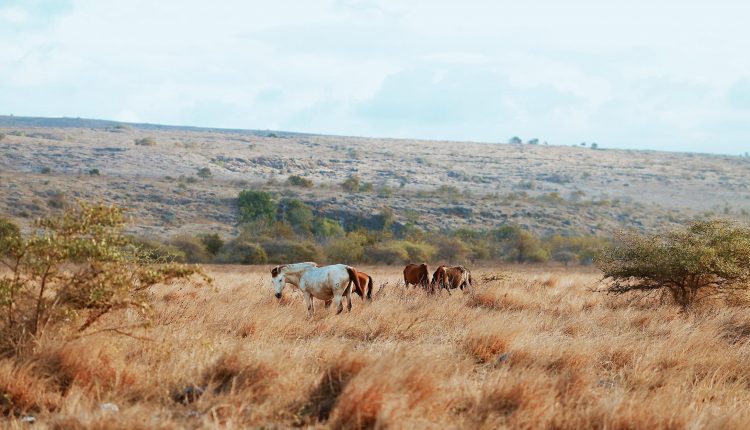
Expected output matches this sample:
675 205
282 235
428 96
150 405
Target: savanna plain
529 347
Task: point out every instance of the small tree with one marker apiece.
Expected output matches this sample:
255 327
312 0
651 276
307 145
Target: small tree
145 141
255 205
704 258
351 184
71 271
299 181
204 173
212 242
515 140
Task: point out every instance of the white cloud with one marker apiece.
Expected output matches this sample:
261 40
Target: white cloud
14 15
635 74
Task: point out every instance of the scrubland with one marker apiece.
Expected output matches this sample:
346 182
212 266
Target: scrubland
529 348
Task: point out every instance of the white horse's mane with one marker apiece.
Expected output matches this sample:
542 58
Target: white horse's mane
295 267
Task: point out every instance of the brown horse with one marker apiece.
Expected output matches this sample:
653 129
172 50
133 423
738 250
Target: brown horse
451 278
417 274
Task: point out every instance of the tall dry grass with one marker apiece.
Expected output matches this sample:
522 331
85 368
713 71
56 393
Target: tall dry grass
530 349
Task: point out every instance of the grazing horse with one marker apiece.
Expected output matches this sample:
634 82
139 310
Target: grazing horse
324 283
365 282
451 278
417 274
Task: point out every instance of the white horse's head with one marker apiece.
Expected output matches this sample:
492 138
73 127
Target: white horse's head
278 277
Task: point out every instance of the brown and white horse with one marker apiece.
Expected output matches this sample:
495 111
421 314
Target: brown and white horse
451 278
324 283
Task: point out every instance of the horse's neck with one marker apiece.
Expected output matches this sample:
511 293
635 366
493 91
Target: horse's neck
292 273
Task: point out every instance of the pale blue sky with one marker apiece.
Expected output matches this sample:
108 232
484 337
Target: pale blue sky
630 74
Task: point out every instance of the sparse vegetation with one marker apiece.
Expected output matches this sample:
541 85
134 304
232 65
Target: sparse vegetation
204 173
145 141
299 181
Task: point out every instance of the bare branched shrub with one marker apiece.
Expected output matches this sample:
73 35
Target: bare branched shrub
707 258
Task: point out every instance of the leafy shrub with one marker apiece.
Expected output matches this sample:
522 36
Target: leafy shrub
387 253
191 248
452 251
419 251
45 170
242 251
520 246
72 270
348 249
285 250
56 199
204 173
326 227
256 205
297 214
299 181
705 257
351 184
145 141
156 250
94 172
212 242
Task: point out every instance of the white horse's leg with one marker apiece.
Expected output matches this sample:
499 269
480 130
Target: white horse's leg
309 302
337 299
348 293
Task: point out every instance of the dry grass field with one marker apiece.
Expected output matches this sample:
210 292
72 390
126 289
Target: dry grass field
531 348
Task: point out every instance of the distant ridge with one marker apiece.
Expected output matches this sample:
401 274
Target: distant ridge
66 122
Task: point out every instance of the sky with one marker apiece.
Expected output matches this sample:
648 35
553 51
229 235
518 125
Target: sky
666 75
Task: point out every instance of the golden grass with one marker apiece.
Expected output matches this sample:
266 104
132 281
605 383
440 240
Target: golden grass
529 349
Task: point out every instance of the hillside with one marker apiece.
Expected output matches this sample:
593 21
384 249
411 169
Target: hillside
431 184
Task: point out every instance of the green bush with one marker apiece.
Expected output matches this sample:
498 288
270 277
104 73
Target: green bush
348 249
191 248
286 251
256 205
703 258
204 173
299 181
419 251
351 184
241 251
212 242
387 253
297 214
145 141
452 251
156 250
326 227
94 172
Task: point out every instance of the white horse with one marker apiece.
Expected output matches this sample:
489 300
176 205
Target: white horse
324 283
